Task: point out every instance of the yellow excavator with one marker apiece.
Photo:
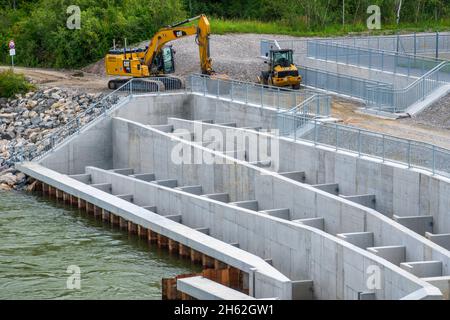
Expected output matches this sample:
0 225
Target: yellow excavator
157 60
282 70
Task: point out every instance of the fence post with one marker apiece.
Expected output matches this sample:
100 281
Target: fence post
415 44
315 132
262 94
359 142
246 93
131 87
383 139
434 160
218 88
231 90
204 86
437 44
278 99
336 129
409 153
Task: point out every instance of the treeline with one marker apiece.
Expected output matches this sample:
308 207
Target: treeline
43 39
314 14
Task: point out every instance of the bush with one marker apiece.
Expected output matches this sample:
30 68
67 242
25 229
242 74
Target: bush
13 83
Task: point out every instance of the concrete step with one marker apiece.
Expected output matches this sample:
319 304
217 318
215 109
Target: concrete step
299 176
360 239
222 197
252 128
261 164
302 290
367 200
419 224
318 222
247 204
441 239
227 124
126 197
151 208
203 230
163 127
332 188
124 171
106 187
394 254
237 154
282 213
205 121
423 269
174 217
442 283
189 136
84 177
144 176
170 183
197 190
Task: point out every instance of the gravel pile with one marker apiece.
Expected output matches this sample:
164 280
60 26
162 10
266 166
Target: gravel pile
26 122
436 115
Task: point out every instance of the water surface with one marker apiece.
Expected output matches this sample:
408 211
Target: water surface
40 239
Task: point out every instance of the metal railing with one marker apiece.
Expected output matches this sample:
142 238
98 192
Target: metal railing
414 154
338 83
259 95
49 142
386 61
397 100
417 44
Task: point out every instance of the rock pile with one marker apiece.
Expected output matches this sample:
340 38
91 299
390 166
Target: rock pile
27 122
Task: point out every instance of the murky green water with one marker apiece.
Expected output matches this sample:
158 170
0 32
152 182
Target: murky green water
40 239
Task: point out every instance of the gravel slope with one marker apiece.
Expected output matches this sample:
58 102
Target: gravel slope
235 55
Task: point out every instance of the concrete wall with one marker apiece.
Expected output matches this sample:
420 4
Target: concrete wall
151 109
93 146
149 151
337 268
397 189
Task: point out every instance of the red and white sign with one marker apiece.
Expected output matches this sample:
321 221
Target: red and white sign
11 44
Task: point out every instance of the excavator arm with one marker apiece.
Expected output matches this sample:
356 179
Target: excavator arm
176 31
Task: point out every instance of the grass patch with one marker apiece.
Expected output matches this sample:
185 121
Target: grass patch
13 83
222 26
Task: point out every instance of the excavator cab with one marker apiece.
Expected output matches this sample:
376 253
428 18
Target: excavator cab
282 70
165 61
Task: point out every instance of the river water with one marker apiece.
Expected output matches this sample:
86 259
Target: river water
40 239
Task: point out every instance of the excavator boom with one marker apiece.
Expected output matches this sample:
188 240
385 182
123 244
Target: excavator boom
157 60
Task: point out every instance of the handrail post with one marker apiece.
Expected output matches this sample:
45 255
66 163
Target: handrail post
336 128
218 88
246 93
262 98
204 86
409 154
437 44
231 90
359 142
434 160
315 132
278 98
384 148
